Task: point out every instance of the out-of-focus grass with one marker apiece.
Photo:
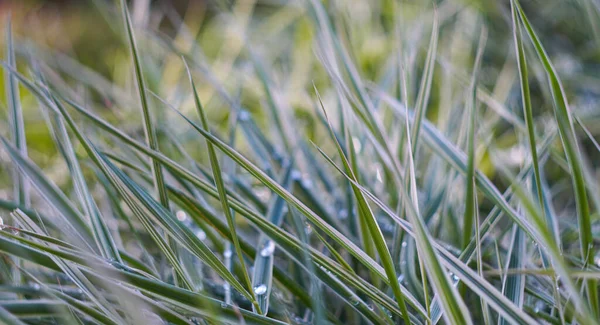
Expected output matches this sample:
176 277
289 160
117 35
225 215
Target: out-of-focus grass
352 162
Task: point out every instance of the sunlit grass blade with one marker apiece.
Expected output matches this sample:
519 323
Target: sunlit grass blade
571 148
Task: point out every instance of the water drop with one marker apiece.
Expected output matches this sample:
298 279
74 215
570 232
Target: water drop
227 253
296 175
223 305
343 214
308 228
244 115
356 143
268 249
201 234
453 277
260 289
35 286
378 175
539 306
401 278
307 183
181 215
354 301
404 244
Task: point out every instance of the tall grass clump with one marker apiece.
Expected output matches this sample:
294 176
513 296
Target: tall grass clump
302 162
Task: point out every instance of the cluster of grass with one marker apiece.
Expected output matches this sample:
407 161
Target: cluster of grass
288 182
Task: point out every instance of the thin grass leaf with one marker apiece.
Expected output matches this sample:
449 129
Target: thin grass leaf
218 177
375 232
513 286
262 276
17 126
102 235
572 151
483 288
144 207
526 99
9 319
77 227
279 190
149 129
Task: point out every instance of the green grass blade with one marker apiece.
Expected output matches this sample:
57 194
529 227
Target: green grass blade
564 120
17 126
77 227
366 213
470 206
526 99
218 177
514 285
545 239
332 232
149 130
9 319
479 285
262 276
102 235
291 199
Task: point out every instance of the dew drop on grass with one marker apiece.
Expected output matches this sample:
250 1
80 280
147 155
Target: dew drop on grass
35 286
201 234
454 277
296 175
244 115
308 228
181 215
343 214
227 253
268 249
260 289
307 183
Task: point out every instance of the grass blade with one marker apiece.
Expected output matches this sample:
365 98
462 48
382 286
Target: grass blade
566 129
149 130
375 232
216 169
16 117
263 261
